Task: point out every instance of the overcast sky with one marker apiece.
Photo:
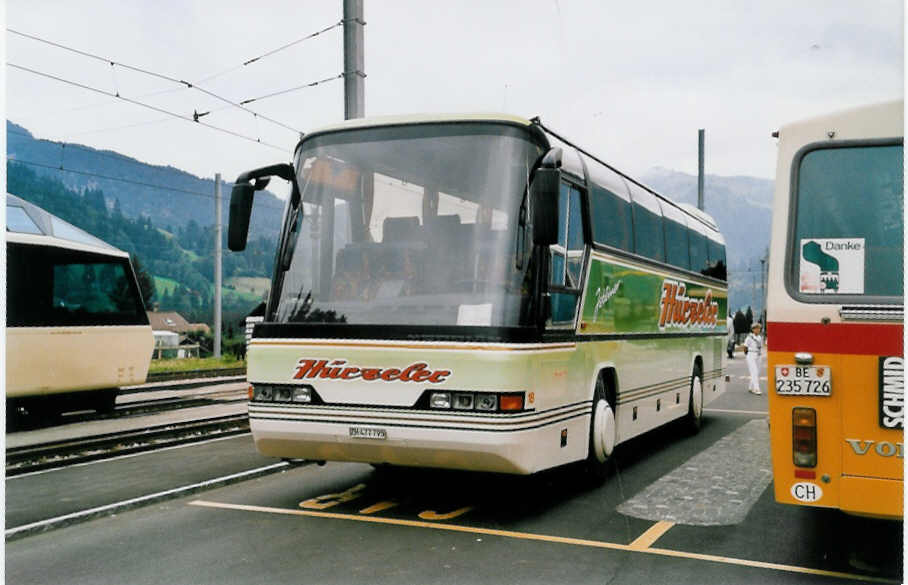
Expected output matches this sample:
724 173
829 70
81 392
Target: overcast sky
630 81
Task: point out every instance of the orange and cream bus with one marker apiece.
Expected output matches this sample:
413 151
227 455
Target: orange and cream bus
474 292
835 313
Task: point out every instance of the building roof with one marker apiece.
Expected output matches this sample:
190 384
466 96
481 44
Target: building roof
173 321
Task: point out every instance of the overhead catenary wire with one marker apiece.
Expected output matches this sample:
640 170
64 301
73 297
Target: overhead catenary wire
144 105
155 74
296 42
203 79
130 181
283 91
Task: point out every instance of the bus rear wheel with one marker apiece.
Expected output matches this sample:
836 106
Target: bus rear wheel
603 433
695 404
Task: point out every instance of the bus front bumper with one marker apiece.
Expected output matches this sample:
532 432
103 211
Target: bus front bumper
521 444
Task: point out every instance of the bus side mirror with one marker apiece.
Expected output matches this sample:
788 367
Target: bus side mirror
544 202
240 210
241 200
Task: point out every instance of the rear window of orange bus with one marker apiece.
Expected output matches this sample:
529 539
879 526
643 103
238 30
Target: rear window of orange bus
848 222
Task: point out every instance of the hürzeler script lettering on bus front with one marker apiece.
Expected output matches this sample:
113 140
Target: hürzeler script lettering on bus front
339 370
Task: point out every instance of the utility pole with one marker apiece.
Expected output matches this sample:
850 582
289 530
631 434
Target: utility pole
217 265
701 140
753 296
764 276
354 61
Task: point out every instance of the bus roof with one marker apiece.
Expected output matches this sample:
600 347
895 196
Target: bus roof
881 120
29 224
380 121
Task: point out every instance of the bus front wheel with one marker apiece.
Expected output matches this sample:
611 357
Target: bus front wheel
695 404
603 433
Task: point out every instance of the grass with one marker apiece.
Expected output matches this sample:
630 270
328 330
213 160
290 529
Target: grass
249 284
164 285
187 364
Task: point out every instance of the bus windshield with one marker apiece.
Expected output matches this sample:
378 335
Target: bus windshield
849 222
409 225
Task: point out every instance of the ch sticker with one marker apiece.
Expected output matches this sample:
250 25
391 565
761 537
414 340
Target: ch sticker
805 491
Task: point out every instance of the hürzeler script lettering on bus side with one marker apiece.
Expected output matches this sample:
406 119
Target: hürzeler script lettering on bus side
892 392
679 310
338 369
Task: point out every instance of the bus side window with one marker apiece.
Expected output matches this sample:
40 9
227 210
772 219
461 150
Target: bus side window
699 257
717 266
611 219
648 234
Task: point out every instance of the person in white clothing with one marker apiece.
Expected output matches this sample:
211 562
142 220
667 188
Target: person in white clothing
752 348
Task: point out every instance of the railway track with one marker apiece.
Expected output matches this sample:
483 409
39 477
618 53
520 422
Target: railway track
130 402
50 455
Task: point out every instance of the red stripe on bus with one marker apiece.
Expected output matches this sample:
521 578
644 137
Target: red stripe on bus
845 338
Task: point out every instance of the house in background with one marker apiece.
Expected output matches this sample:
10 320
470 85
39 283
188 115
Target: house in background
170 329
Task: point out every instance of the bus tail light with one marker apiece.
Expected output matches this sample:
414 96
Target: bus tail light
804 436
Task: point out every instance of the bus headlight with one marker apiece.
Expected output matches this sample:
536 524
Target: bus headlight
463 401
263 393
302 394
440 400
282 393
486 402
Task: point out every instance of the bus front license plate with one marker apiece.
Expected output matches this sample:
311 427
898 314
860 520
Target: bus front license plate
368 433
803 381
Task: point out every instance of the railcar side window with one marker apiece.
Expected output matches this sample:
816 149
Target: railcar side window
55 287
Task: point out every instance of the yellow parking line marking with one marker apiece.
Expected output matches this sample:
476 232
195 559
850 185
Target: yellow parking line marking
652 534
433 515
543 538
378 507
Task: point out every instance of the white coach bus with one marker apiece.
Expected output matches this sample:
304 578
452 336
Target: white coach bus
477 293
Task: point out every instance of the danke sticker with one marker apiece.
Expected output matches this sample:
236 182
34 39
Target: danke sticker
832 265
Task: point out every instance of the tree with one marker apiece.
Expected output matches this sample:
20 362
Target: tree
749 317
740 323
146 282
